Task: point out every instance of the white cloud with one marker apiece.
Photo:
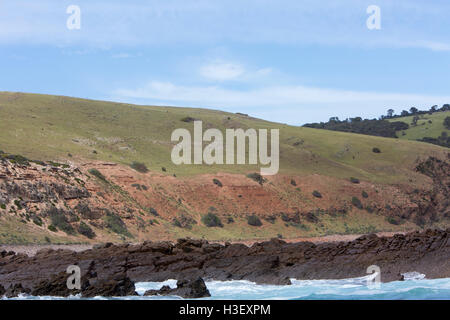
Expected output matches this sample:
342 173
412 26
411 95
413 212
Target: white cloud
280 103
221 71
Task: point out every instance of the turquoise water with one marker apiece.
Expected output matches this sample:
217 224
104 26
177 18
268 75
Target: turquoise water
353 289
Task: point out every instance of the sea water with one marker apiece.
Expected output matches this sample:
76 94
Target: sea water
416 286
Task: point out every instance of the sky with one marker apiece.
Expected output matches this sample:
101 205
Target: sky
290 61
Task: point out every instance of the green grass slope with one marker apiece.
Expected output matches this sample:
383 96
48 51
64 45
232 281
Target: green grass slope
428 125
47 127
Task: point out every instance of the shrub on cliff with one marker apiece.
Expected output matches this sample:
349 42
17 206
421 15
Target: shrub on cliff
376 150
184 222
364 194
211 220
97 174
115 224
393 220
317 194
254 221
52 228
354 180
357 203
153 212
37 221
60 221
217 182
86 231
256 177
139 166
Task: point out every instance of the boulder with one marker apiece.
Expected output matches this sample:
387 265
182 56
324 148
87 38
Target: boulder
185 289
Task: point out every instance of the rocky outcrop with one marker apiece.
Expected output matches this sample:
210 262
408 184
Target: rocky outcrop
189 289
110 269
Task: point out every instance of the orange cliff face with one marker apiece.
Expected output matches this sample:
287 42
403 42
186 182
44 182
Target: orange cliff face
133 206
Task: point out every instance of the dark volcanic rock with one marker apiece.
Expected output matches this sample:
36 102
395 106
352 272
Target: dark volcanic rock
119 286
15 289
111 269
185 288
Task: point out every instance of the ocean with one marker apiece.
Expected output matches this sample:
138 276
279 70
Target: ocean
414 287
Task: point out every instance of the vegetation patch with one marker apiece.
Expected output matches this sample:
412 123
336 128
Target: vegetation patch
60 221
354 180
364 194
139 167
357 203
317 194
184 222
257 177
254 221
217 182
212 220
86 231
116 224
188 119
153 212
97 174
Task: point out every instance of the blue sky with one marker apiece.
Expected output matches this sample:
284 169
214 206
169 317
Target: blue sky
290 61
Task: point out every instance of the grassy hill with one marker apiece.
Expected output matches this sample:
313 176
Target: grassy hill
95 142
53 127
428 125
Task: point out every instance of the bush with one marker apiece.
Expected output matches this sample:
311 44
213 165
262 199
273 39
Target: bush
393 220
293 182
211 220
86 231
52 228
153 212
230 220
97 174
188 119
376 150
311 217
37 221
183 222
3 206
447 123
369 209
354 180
139 166
115 224
256 177
217 182
357 203
254 221
317 194
60 221
364 194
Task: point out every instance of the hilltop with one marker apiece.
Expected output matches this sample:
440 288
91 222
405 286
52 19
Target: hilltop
77 170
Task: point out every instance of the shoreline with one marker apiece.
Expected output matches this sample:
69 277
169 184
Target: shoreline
32 249
113 269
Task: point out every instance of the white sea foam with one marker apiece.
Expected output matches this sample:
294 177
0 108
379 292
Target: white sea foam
417 287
